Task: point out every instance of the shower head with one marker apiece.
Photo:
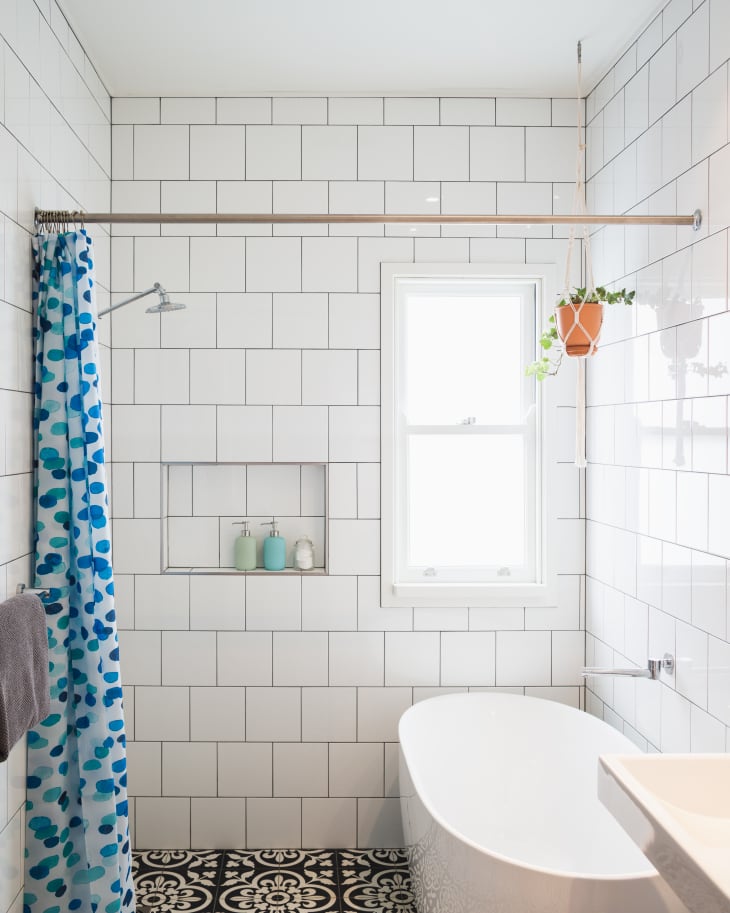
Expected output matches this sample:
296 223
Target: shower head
164 304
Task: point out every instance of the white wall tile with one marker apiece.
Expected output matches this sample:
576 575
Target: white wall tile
300 658
186 110
412 658
523 657
272 823
663 80
441 154
379 823
244 433
273 377
161 152
300 434
299 110
136 546
329 377
245 769
273 603
468 111
497 154
356 659
300 769
273 714
217 152
329 153
273 264
523 111
329 603
217 603
467 658
161 603
329 714
378 712
163 714
550 153
189 768
385 153
162 822
244 321
273 153
355 110
218 823
330 821
300 196
217 264
329 264
217 714
188 433
411 111
354 547
243 110
163 260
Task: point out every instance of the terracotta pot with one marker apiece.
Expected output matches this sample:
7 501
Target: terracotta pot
577 338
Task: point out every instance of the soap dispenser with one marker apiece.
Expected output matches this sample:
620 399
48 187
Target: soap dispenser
244 551
274 548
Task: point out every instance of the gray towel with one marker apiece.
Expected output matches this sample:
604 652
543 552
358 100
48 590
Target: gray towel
24 690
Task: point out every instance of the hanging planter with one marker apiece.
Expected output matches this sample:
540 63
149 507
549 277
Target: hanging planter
576 323
579 327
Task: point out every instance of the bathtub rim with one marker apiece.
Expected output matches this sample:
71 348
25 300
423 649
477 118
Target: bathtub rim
650 872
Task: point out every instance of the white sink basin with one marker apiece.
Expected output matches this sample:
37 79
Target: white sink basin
677 810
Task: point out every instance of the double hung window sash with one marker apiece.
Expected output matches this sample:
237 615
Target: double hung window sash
467 499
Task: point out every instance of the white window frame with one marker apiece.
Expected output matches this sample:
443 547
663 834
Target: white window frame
436 592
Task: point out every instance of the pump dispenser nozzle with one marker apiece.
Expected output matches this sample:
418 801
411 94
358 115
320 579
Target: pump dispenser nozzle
273 524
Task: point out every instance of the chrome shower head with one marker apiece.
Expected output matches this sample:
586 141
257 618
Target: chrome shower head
164 304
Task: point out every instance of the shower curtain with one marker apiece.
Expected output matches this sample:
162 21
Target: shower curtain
78 850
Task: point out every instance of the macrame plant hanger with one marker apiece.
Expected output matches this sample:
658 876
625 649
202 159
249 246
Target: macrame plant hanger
578 328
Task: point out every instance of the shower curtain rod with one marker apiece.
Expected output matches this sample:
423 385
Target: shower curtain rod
55 217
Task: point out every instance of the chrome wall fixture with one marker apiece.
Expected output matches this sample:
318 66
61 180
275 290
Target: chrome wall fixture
51 217
162 306
652 670
21 589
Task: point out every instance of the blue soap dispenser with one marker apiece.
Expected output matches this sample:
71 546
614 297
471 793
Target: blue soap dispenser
274 548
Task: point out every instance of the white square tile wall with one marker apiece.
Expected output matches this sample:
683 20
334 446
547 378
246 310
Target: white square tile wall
277 360
49 89
657 416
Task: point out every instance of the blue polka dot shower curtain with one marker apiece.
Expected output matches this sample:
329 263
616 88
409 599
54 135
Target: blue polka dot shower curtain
78 849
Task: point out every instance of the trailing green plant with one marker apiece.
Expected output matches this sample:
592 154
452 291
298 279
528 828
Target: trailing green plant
545 366
579 296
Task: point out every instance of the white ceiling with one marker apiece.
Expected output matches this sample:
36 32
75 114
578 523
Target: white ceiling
240 47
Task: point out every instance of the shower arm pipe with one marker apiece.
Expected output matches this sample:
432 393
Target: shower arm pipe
52 217
120 304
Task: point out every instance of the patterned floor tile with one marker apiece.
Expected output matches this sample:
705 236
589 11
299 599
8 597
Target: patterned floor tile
176 881
279 881
273 881
375 880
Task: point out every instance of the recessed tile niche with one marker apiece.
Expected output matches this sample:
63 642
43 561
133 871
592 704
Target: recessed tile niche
201 502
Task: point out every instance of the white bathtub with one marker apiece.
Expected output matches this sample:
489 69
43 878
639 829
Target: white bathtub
500 812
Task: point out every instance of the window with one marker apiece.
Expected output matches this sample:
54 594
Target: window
464 506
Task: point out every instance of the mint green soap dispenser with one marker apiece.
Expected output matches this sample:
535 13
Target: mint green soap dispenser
244 551
274 548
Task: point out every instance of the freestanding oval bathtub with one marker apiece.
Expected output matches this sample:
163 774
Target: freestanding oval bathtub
501 815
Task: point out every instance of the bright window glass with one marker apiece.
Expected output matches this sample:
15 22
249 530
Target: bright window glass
466 456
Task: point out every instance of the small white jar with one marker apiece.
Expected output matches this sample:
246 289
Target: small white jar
304 554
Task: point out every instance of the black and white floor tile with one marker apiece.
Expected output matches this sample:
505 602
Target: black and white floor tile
273 881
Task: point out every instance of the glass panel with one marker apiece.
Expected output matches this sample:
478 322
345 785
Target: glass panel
466 501
463 358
